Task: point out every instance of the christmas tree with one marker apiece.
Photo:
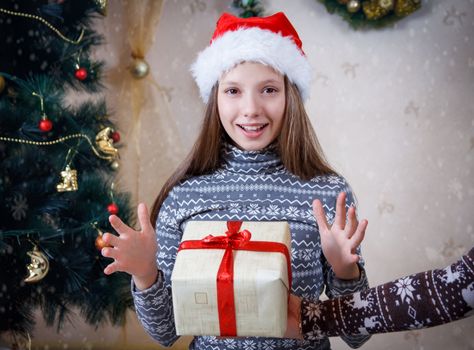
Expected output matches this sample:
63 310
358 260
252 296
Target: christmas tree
58 160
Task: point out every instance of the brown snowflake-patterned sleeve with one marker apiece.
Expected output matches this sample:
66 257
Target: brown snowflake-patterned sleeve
422 300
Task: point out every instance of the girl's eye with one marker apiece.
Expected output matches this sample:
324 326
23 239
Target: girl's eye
231 91
269 90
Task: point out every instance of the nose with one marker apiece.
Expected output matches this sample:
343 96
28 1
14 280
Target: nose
251 105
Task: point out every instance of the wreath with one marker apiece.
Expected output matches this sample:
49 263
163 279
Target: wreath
371 13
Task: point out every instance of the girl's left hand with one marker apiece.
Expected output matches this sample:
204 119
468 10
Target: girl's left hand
339 241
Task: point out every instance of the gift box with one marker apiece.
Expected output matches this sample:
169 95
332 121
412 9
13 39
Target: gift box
232 279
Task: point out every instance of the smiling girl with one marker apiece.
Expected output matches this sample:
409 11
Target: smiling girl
256 158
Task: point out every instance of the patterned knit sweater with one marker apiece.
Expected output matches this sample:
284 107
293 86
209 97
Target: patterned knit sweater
421 300
249 186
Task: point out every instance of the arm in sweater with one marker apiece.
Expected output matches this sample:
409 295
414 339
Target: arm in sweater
336 287
154 305
422 300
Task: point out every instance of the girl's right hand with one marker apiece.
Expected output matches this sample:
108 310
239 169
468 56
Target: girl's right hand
134 252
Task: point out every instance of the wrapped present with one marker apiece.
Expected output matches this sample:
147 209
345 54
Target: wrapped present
232 279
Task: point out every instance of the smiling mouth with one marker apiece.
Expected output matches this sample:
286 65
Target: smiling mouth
252 128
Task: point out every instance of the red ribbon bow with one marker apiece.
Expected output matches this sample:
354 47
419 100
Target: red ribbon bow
233 240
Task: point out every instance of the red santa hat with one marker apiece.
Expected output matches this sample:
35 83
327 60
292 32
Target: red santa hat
268 40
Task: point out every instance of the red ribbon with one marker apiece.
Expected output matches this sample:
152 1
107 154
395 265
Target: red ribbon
233 240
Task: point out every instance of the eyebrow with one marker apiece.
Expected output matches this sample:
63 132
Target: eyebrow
264 82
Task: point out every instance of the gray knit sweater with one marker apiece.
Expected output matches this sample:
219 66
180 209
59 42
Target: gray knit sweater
249 186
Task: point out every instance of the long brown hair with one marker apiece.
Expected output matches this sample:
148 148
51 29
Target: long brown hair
297 144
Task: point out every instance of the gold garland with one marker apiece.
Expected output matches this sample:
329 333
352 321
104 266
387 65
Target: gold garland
53 142
49 25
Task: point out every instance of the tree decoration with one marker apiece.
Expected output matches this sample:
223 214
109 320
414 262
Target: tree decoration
38 267
68 177
68 180
248 8
101 6
115 136
45 198
2 83
404 8
113 209
115 165
80 73
99 242
353 6
104 142
45 124
371 13
61 140
139 68
104 139
42 20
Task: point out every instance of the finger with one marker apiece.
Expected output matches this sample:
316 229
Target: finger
320 216
118 225
110 252
354 259
352 222
340 219
359 235
143 217
111 268
110 239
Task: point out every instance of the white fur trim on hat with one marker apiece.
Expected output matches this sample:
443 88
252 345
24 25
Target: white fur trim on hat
254 45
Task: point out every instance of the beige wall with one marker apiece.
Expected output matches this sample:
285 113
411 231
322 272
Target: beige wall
394 111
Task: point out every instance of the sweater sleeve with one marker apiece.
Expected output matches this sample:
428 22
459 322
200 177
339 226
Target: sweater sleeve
336 287
422 300
154 305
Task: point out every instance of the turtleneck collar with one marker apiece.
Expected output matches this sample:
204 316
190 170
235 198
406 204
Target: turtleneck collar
265 161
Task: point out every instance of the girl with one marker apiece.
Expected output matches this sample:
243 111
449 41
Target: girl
256 159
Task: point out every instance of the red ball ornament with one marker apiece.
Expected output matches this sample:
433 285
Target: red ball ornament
80 74
115 136
45 125
112 208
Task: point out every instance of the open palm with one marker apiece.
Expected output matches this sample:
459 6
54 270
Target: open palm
340 241
133 251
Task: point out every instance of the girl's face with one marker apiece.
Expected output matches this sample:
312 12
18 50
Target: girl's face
251 104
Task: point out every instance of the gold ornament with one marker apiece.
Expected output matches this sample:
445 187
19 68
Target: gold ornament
2 83
139 68
386 4
353 6
55 142
69 180
405 7
115 165
45 22
105 143
373 9
102 6
38 267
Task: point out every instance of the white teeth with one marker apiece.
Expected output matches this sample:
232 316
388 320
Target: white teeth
252 128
